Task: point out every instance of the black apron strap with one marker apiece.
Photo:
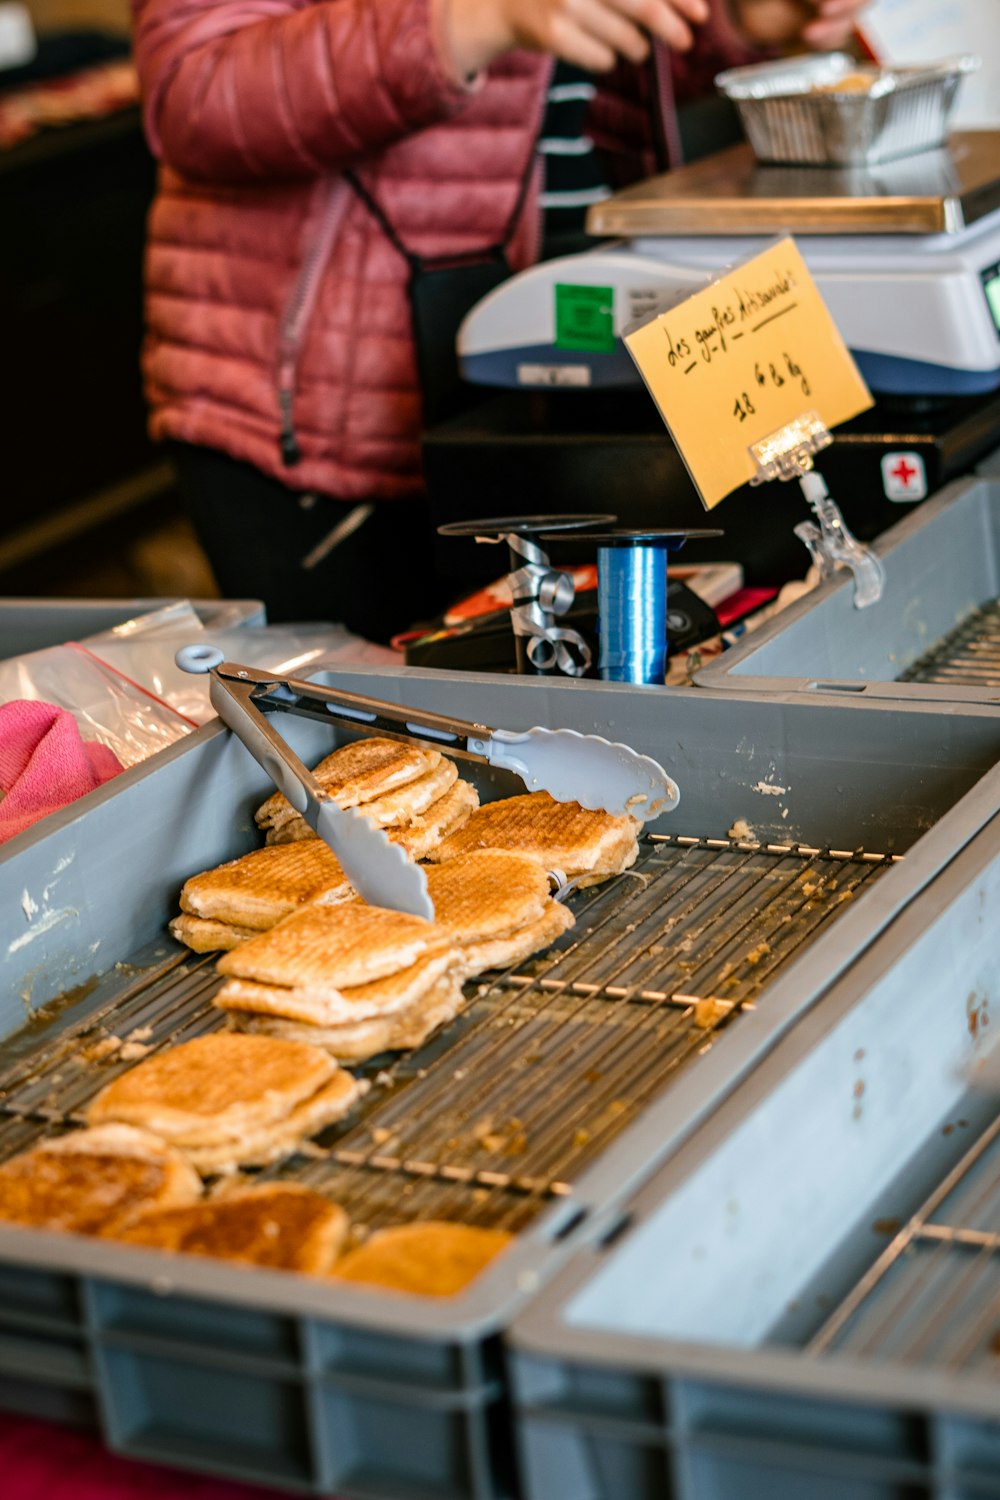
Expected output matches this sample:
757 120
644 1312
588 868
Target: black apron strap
442 289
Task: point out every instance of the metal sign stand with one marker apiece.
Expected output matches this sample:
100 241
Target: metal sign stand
788 454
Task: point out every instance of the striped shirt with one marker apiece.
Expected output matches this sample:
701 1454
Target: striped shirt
573 174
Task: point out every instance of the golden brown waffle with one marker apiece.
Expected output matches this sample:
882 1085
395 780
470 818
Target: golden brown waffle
353 1043
418 837
261 1145
203 935
562 835
329 1007
92 1179
433 1259
356 773
513 948
212 1088
402 805
444 816
261 888
334 947
487 893
279 1225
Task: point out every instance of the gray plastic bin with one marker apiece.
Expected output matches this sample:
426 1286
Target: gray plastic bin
937 623
989 467
34 624
344 1391
804 1304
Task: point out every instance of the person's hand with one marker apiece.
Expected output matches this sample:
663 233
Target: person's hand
823 25
593 34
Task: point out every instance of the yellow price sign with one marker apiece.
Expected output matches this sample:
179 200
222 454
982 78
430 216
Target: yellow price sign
738 361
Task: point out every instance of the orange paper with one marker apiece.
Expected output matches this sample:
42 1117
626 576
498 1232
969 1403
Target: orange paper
741 359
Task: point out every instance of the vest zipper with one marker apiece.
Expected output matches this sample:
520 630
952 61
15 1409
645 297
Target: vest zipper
298 310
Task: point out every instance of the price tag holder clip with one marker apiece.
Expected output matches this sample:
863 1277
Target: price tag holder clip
788 454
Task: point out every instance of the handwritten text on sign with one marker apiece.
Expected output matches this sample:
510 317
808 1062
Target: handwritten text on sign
747 355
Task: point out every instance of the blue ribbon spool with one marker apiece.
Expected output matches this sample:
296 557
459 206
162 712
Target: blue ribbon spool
632 613
632 599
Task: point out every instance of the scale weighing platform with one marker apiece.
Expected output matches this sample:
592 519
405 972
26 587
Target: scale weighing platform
907 256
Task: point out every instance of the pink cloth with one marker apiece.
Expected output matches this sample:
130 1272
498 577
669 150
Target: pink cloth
44 763
42 1462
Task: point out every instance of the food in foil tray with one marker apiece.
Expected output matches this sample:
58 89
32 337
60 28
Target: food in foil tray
830 110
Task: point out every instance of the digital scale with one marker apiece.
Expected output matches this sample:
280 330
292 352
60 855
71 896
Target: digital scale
906 256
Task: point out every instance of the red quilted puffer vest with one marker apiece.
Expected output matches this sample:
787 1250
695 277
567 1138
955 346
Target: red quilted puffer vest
278 325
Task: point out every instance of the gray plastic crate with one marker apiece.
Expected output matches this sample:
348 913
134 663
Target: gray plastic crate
804 1304
328 1389
35 624
942 567
989 467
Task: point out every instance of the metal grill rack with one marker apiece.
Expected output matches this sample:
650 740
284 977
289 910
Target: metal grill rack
500 1111
933 1296
968 656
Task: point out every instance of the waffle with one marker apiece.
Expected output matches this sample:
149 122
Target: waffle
259 889
213 1088
402 805
562 835
331 1007
444 816
279 1225
261 1145
487 893
356 773
358 1041
419 835
433 1259
204 935
333 947
511 948
91 1180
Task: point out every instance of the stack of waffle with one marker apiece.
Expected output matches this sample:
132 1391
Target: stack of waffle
352 978
94 1181
413 793
497 907
274 1224
433 1258
225 1101
360 980
583 845
226 906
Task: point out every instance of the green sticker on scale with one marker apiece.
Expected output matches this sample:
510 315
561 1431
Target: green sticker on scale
585 318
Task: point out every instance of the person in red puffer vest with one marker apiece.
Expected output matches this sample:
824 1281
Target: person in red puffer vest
316 156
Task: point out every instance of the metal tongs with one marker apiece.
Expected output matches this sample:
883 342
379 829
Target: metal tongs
572 767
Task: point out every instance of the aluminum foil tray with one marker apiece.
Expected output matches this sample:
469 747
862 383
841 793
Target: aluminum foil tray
830 110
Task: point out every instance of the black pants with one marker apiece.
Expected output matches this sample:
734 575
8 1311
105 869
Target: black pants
369 567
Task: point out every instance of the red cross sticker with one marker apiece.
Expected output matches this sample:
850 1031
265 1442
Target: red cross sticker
904 476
